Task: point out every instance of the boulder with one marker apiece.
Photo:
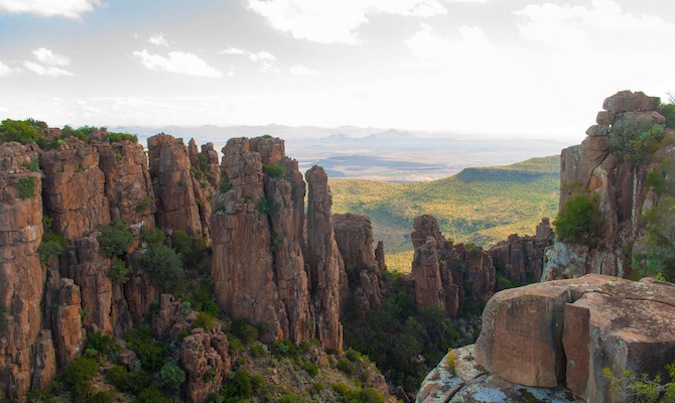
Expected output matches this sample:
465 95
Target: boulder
628 101
205 366
541 334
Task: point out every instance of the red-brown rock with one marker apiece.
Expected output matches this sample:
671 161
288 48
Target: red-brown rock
172 183
205 365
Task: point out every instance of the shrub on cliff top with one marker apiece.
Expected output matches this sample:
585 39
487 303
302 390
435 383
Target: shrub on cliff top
579 219
634 139
277 170
22 131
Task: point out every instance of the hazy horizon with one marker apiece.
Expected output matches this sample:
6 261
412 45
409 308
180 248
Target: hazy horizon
478 67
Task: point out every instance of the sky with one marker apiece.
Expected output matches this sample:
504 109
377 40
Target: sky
529 68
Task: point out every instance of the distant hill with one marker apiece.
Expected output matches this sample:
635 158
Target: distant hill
480 205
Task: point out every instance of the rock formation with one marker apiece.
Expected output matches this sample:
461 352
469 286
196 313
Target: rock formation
446 276
173 186
620 184
354 237
521 259
542 334
21 276
324 260
464 380
262 269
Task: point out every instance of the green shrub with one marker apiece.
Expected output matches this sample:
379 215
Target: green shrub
267 205
144 204
116 137
240 386
205 321
26 187
151 353
181 242
120 271
107 396
33 166
277 170
22 131
153 394
311 368
579 220
164 266
153 236
128 382
225 184
642 388
83 133
668 111
634 139
244 331
77 375
346 366
101 343
172 376
504 283
285 348
52 244
115 239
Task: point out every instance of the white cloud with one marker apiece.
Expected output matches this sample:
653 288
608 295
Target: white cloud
5 70
46 56
265 59
158 40
300 70
328 21
47 71
177 62
567 26
72 9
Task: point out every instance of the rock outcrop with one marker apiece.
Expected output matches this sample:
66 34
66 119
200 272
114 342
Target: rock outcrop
205 359
617 180
262 267
354 237
324 260
173 186
465 381
21 276
445 275
542 334
521 259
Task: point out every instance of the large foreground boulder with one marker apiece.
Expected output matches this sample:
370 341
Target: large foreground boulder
572 330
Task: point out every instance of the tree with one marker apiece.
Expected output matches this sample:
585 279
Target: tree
579 219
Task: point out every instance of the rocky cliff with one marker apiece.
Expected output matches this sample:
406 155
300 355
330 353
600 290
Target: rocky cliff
445 275
262 268
612 164
55 282
569 332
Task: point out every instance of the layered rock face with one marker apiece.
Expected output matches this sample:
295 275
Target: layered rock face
522 258
620 185
21 277
354 237
324 260
173 186
542 334
446 276
81 187
262 268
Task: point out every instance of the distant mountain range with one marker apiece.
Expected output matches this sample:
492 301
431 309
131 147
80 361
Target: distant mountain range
372 153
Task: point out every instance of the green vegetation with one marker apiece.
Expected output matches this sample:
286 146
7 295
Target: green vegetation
172 376
77 376
164 265
277 170
481 205
267 205
26 187
396 335
634 139
642 388
120 272
656 258
52 244
116 137
579 220
33 166
115 239
22 131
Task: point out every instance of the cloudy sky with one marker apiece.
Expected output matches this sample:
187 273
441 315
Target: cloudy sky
503 67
